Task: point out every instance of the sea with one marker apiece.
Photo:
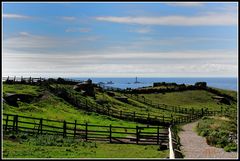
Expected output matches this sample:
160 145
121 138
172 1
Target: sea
123 83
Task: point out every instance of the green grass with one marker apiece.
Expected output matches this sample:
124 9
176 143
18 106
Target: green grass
56 147
217 131
227 92
112 103
21 89
196 99
51 107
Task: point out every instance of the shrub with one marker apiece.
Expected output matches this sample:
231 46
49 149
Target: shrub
230 147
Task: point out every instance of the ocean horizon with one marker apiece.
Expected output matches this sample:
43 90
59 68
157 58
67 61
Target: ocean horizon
229 83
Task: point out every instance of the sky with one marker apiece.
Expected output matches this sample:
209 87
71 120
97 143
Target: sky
190 39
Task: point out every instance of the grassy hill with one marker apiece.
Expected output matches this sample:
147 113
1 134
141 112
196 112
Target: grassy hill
47 105
196 99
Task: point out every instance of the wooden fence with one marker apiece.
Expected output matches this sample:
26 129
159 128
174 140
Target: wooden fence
37 80
84 104
192 114
152 135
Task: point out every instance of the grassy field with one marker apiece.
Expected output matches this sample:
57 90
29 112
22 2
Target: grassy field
56 147
196 99
21 89
51 107
46 105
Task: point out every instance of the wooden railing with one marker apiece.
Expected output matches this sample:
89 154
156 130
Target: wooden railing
84 104
152 135
191 113
145 118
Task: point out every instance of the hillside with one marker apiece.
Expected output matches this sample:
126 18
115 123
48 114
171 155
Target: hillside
104 109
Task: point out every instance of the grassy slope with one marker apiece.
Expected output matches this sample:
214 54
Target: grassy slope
112 103
52 107
193 98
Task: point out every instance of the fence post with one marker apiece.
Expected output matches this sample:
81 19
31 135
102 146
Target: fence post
14 118
16 124
75 128
41 124
64 128
110 133
86 133
202 112
163 118
6 126
137 134
157 135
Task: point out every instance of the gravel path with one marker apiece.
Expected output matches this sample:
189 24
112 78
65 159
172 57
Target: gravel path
194 146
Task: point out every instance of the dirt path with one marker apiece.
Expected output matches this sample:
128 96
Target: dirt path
194 146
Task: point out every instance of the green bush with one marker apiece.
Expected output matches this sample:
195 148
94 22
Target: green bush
217 132
230 147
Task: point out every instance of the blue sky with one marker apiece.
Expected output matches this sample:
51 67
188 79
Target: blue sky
120 39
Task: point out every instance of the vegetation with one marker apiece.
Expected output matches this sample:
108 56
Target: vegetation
219 131
49 106
196 99
47 146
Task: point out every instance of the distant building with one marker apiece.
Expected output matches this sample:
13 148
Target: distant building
85 87
201 84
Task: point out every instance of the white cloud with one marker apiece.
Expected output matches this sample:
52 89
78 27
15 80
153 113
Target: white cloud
15 16
200 20
99 63
27 41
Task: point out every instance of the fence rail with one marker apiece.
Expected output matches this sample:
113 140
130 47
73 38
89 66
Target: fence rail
152 135
191 114
125 115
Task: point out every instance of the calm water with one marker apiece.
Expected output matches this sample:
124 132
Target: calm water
223 83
